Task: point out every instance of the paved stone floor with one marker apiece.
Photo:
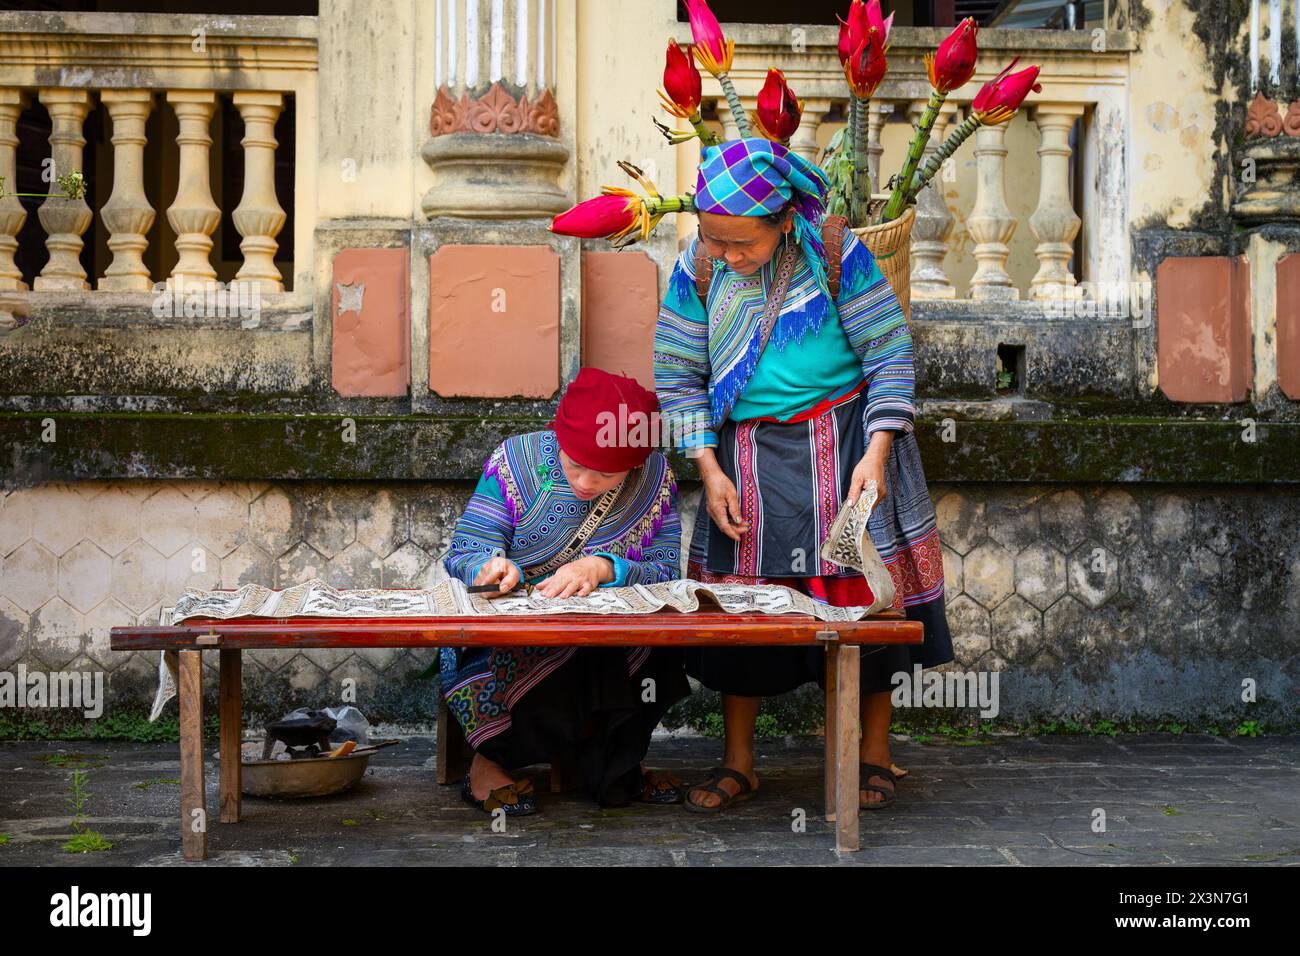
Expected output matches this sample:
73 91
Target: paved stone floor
1018 801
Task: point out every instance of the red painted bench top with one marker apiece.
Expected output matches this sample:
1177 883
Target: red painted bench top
662 628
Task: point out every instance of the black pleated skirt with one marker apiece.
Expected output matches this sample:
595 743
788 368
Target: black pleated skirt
591 712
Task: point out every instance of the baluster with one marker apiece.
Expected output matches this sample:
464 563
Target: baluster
1054 223
933 220
259 217
12 213
990 221
687 159
804 140
193 215
730 130
65 220
127 215
876 116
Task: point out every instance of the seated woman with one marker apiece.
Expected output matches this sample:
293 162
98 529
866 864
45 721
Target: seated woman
581 505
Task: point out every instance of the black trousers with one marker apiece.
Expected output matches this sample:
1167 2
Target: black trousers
769 671
591 711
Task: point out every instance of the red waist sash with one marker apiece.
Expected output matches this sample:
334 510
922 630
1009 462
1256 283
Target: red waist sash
819 409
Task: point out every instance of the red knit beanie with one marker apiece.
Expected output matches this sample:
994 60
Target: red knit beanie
604 421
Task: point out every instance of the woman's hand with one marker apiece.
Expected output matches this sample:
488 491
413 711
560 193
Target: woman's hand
499 571
720 497
578 577
872 468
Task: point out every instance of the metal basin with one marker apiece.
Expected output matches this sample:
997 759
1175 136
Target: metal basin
291 779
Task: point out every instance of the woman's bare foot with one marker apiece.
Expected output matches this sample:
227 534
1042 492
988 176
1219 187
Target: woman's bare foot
486 776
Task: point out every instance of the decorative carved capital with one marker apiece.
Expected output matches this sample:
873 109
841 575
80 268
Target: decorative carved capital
496 111
1262 117
1291 122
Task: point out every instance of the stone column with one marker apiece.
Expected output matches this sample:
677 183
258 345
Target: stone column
876 117
259 216
804 140
65 220
730 130
193 214
12 213
933 220
990 221
687 158
494 147
127 214
1054 223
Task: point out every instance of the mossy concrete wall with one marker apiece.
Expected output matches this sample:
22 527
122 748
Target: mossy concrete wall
1119 600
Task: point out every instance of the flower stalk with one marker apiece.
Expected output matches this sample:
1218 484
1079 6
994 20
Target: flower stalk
898 196
733 102
861 160
949 146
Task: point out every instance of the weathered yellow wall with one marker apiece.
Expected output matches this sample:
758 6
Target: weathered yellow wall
621 50
1171 110
375 94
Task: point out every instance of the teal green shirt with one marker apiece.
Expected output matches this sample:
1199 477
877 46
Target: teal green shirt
790 380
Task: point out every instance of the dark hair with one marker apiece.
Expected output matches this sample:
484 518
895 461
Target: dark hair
778 217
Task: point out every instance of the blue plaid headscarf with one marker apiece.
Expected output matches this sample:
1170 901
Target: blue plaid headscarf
756 177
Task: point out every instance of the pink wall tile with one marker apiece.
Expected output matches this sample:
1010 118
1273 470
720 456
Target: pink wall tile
371 347
1203 342
620 304
494 321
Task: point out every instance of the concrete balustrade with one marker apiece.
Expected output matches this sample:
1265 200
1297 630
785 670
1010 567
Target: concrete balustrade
151 163
966 226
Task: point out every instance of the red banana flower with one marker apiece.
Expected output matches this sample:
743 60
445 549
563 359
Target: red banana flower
999 98
779 110
604 217
866 65
862 17
618 214
954 64
712 49
681 83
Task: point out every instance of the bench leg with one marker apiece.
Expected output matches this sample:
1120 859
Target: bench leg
832 655
194 812
848 739
230 713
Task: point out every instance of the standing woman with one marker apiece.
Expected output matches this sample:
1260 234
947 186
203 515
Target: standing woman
787 427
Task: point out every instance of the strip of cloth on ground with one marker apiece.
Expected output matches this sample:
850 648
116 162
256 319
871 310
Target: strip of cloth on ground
792 470
524 509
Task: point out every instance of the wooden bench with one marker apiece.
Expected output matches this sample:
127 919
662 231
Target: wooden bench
230 638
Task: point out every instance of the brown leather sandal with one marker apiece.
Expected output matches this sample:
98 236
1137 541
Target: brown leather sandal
516 799
887 797
725 799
